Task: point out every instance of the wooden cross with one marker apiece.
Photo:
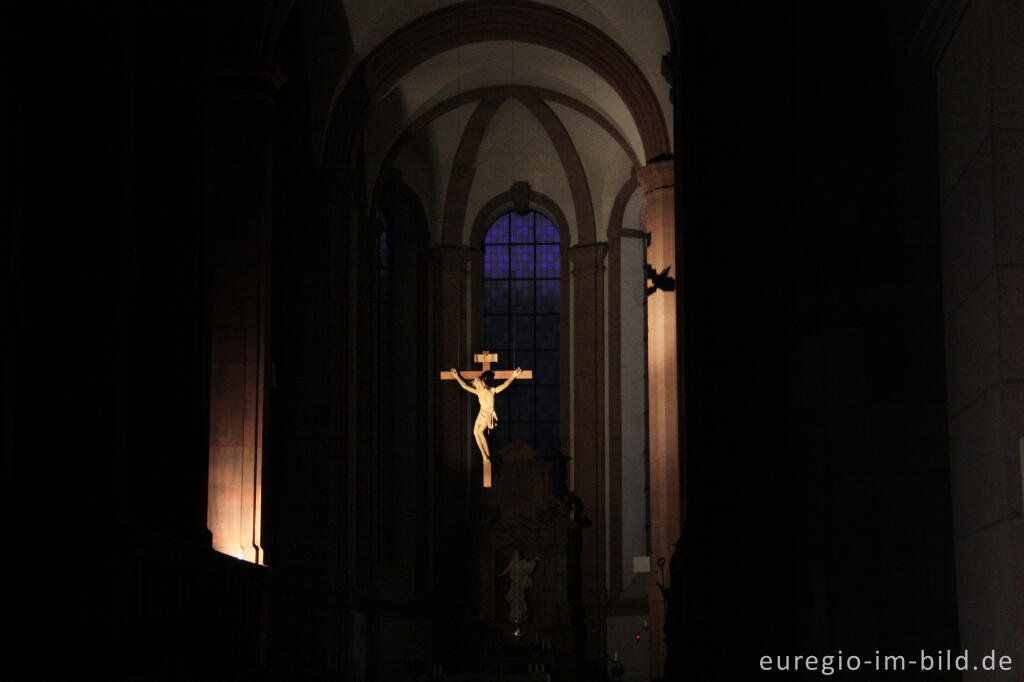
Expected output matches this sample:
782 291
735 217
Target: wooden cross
485 359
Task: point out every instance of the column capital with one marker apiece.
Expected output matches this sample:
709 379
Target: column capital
255 82
658 174
588 256
452 257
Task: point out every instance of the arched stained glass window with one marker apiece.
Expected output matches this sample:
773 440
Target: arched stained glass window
521 304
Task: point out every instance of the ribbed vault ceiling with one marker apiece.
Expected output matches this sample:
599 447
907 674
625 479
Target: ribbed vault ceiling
418 125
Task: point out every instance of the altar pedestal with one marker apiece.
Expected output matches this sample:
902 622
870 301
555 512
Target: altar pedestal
522 513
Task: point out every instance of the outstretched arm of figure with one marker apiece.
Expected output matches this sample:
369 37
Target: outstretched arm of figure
508 381
507 569
465 386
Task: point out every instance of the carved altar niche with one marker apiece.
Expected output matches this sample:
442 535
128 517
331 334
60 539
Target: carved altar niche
523 513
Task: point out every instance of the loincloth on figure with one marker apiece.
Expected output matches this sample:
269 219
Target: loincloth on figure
489 419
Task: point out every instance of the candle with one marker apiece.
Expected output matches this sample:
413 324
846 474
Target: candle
616 656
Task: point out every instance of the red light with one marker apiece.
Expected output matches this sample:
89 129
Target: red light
638 636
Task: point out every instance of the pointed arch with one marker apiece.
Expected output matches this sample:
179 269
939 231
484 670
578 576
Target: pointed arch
518 91
478 21
461 179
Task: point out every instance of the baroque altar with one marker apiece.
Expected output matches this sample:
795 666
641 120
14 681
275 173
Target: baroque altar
529 562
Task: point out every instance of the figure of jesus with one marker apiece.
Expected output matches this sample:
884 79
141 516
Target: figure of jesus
518 572
488 418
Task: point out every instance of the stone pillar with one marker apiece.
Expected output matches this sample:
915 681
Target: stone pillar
337 216
451 265
364 310
588 452
238 280
658 182
979 61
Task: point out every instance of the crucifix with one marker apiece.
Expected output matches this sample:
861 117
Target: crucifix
488 417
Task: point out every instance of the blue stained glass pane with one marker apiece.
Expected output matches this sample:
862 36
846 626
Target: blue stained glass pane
522 331
547 233
522 302
547 331
501 405
522 297
548 264
548 296
496 262
547 403
521 228
498 438
524 432
496 297
522 262
548 438
498 234
545 368
524 359
522 402
504 352
496 332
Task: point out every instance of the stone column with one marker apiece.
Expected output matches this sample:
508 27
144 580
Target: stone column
336 214
364 310
979 61
451 265
238 281
658 182
588 452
